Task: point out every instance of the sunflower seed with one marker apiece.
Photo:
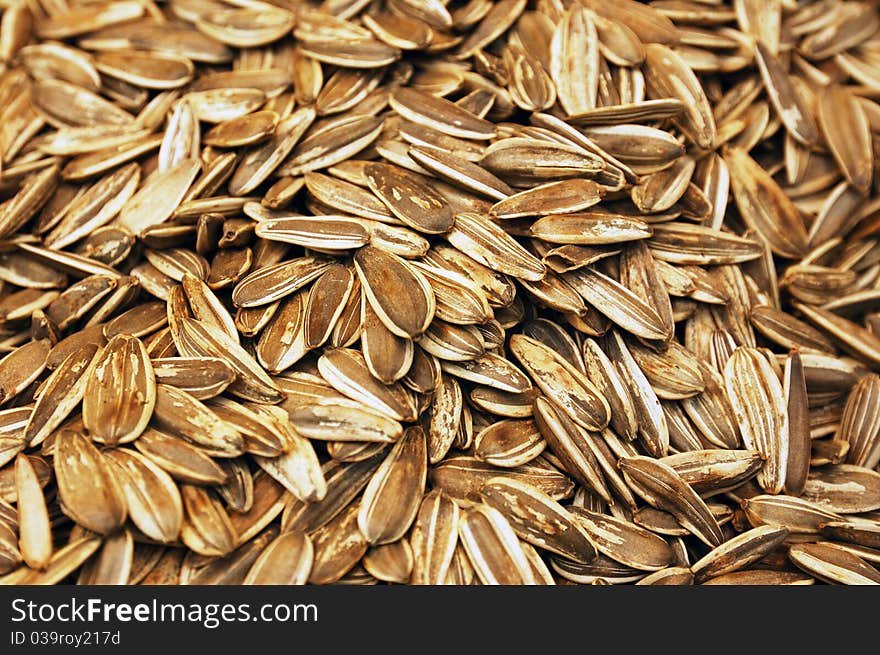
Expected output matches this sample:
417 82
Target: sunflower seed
91 494
832 564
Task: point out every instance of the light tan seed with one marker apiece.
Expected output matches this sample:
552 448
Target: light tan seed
329 422
270 283
155 70
440 114
63 391
617 302
401 297
444 418
860 423
833 564
261 161
409 198
269 500
153 499
433 538
538 519
795 514
285 561
246 27
346 371
563 197
332 143
570 443
120 392
764 206
183 461
197 339
297 469
459 172
326 233
390 562
758 402
339 545
738 553
663 488
799 440
786 99
589 228
34 530
344 483
847 138
493 547
623 541
700 245
843 488
509 444
243 131
574 61
859 533
570 390
392 497
709 471
158 197
113 563
179 413
64 562
206 528
90 492
856 338
461 477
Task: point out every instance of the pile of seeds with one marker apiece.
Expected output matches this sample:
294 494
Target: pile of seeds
439 292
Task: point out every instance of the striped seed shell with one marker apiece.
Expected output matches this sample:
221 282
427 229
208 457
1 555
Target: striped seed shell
758 402
796 514
153 499
663 488
392 497
568 387
63 391
89 491
833 564
493 548
738 552
764 206
623 541
538 519
120 393
34 530
847 134
433 538
668 76
285 561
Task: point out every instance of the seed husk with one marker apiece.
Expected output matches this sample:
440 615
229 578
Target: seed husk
153 499
391 498
247 253
662 487
538 519
91 494
493 548
738 552
285 561
623 541
34 530
795 514
832 564
759 405
120 393
64 390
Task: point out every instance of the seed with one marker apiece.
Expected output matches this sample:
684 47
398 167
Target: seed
432 293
